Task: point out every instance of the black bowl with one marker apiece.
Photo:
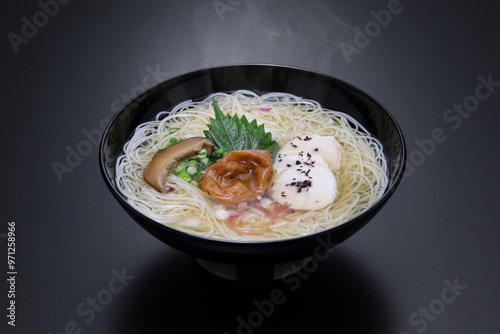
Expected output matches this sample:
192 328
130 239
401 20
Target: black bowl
254 259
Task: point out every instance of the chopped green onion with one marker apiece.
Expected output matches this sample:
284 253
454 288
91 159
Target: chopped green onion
204 163
172 130
218 153
172 141
202 153
185 176
179 168
191 170
161 149
194 183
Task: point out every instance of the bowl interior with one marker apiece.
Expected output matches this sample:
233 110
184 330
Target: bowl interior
330 92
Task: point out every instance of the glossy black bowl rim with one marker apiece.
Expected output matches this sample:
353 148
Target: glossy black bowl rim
376 206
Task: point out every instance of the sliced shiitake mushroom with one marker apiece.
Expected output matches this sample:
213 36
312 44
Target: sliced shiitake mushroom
163 162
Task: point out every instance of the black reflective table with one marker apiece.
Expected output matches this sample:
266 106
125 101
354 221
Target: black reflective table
426 263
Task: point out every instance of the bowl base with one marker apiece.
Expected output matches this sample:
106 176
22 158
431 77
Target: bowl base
252 272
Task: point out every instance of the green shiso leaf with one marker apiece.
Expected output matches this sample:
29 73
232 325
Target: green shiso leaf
233 133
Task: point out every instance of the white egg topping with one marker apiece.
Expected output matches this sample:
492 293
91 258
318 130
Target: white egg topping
304 169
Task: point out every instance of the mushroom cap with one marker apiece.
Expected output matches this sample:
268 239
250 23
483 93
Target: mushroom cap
161 165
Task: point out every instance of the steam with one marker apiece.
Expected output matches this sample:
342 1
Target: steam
296 33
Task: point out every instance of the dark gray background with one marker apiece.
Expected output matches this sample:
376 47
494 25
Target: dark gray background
71 235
